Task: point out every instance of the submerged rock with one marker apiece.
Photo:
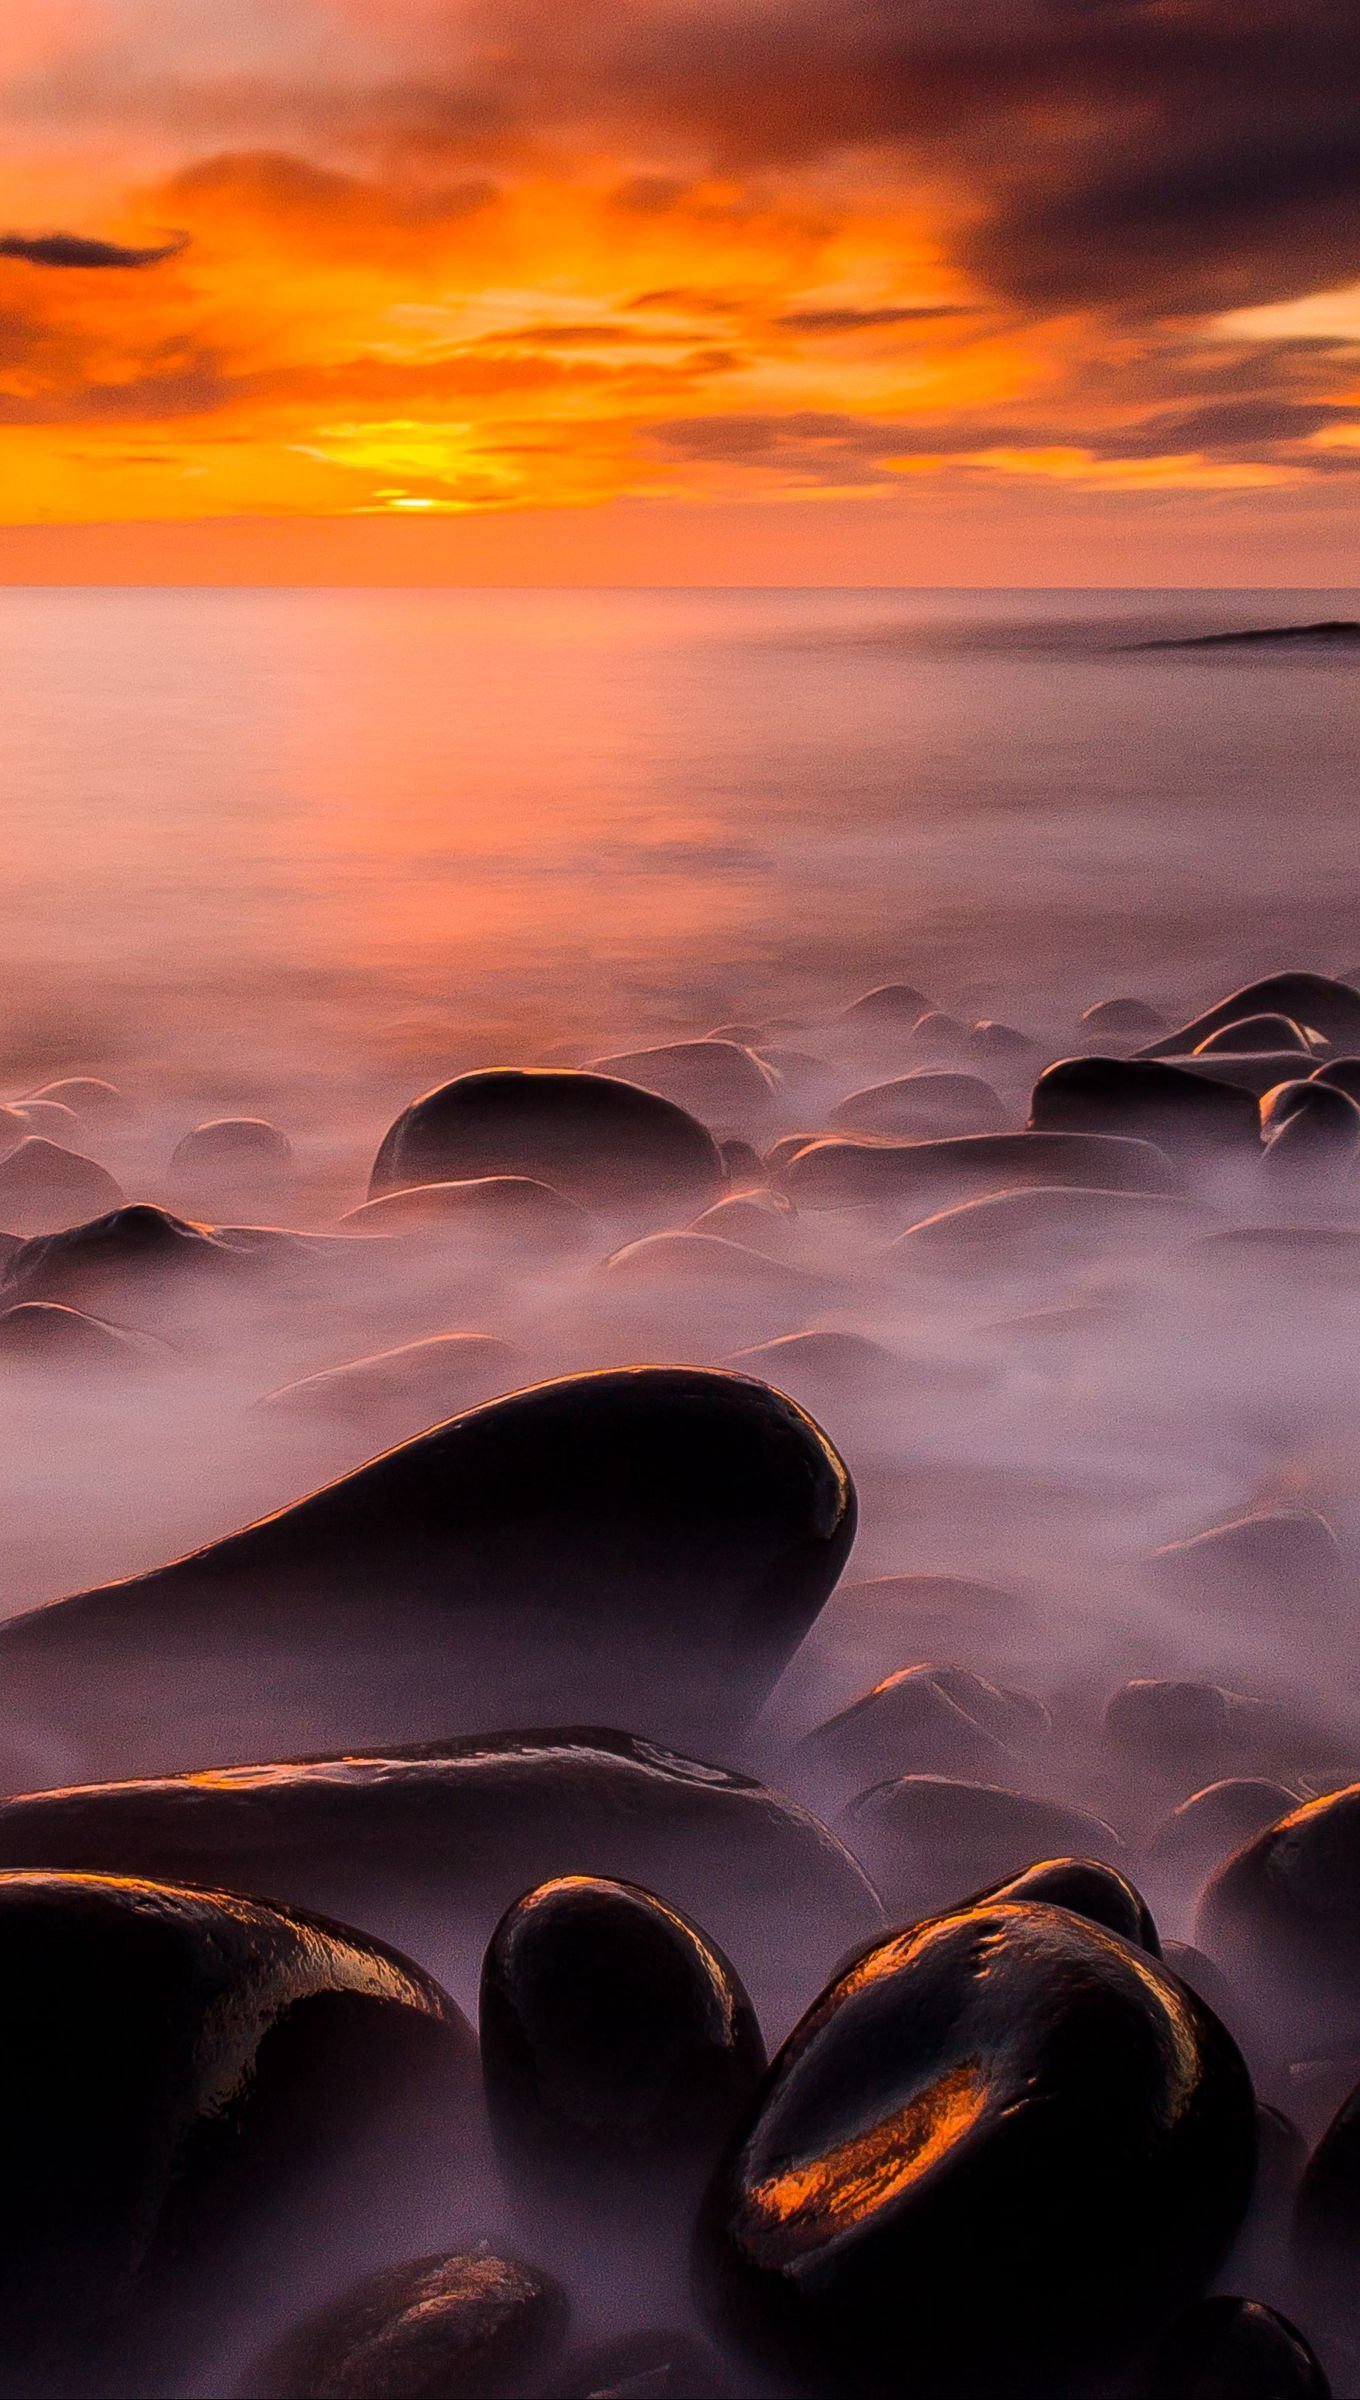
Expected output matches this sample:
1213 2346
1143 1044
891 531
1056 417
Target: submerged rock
921 1720
1254 1034
434 1843
714 1078
44 1187
1122 1016
394 1393
930 1840
840 1172
1229 2349
1316 1002
43 1334
921 1106
647 1546
507 1215
1208 1827
1145 1099
1004 2145
1284 1560
1282 1916
618 2047
608 1144
182 2070
469 2327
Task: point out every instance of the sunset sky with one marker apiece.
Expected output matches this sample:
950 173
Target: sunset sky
680 290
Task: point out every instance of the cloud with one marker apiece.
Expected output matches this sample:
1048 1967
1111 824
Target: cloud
75 250
859 320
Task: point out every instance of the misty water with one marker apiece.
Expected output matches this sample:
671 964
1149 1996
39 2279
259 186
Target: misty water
302 855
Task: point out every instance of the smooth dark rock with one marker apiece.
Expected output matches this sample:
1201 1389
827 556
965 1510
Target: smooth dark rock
44 1187
840 1172
1186 1730
395 1393
603 1142
1254 1034
1316 1002
1283 1101
890 1006
432 1844
1326 2228
922 1720
647 1546
1230 2349
1255 1071
618 2046
930 1840
1342 1073
510 1215
998 2152
1144 1099
42 1334
1122 1016
1282 1917
759 1220
1051 1229
141 1262
182 2071
1208 1827
713 1078
1282 1562
921 1106
1090 1889
470 2327
232 1142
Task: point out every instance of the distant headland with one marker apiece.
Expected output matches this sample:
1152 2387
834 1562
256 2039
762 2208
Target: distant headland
1338 632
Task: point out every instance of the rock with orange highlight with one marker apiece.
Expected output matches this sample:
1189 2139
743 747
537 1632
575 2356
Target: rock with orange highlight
468 2327
997 2153
618 2047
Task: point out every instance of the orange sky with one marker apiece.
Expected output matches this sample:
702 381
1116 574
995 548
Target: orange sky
690 290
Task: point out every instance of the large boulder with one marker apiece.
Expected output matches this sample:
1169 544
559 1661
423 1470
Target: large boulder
1004 2146
646 1546
1146 1100
604 1142
1316 1002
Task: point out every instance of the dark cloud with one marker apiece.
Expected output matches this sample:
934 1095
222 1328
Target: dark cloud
74 250
858 320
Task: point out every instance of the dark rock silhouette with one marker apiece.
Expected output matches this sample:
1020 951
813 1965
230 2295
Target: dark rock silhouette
468 2327
1148 1099
1316 1002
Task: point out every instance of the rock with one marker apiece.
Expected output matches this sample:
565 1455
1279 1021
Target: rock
847 1377
922 1720
138 1261
935 1034
607 1144
1249 1070
715 1079
250 1144
1122 1016
749 1289
1143 1099
1282 1917
838 1172
1208 1827
1283 1100
1282 1562
758 1220
90 1096
1229 2349
929 1840
469 2327
921 1106
1049 1230
435 1842
890 1007
1315 1002
1326 2228
42 1334
45 1188
505 1217
643 2366
1188 1731
1002 1046
1089 1889
42 1116
1314 1149
396 1393
186 2076
742 1164
1004 2084
647 1545
618 2049
1342 1073
1254 1034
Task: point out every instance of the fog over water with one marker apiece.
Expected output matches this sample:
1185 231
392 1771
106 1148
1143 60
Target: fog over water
301 856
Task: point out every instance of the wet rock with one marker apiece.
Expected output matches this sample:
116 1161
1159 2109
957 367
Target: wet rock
1122 1016
470 2327
45 1188
618 2048
758 1220
852 1381
1230 2349
1050 1230
643 2366
185 2074
90 1096
252 1144
921 1720
509 1217
921 1106
1342 1073
929 1840
1285 1560
715 1079
890 1007
647 1545
838 1172
1000 1046
1326 2228
136 1262
1316 1002
1254 1034
1145 1099
1281 1102
396 1393
433 1844
742 1164
1004 2084
935 1034
1313 1149
679 1272
1090 1889
1255 1071
1208 1827
605 1143
43 1335
1186 1730
1282 1917
868 1627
